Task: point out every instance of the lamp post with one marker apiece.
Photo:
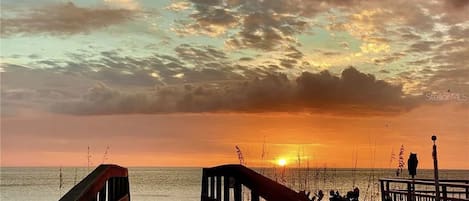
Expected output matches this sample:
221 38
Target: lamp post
435 168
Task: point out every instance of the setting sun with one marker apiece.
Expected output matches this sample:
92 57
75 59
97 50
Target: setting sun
282 162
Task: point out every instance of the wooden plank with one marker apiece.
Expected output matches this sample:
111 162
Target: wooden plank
218 188
238 190
204 191
226 188
212 187
254 195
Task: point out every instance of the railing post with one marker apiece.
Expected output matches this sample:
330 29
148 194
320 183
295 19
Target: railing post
127 186
112 189
102 193
238 191
212 187
445 193
254 195
204 191
218 197
467 191
409 191
226 188
387 186
118 192
383 194
123 188
435 169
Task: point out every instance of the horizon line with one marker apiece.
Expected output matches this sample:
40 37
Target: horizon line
252 167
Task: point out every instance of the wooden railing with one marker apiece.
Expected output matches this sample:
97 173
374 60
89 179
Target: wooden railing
237 176
423 190
106 181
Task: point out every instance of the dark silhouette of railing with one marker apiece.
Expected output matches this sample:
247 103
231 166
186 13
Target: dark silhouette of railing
109 181
423 190
237 176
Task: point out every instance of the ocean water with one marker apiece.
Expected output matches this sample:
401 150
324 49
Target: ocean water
183 184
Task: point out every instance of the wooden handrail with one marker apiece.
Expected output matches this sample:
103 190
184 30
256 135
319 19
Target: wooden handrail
93 186
458 184
454 190
236 176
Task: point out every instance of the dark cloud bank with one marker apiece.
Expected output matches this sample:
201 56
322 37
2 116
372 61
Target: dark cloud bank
352 92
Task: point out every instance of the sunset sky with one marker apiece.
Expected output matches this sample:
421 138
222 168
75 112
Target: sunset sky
181 83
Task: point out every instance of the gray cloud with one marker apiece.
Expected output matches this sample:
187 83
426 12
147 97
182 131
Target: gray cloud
388 58
197 55
262 25
63 18
34 89
351 93
457 4
208 15
422 46
288 63
267 31
274 24
294 53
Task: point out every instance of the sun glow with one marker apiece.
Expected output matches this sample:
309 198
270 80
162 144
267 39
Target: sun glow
282 162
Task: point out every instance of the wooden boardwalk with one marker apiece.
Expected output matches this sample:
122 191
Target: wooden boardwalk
226 182
423 190
106 181
219 180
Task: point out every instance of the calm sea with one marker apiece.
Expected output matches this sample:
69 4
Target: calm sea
183 184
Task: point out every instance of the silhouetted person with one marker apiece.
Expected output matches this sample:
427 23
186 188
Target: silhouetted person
412 163
334 196
356 191
320 195
353 195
